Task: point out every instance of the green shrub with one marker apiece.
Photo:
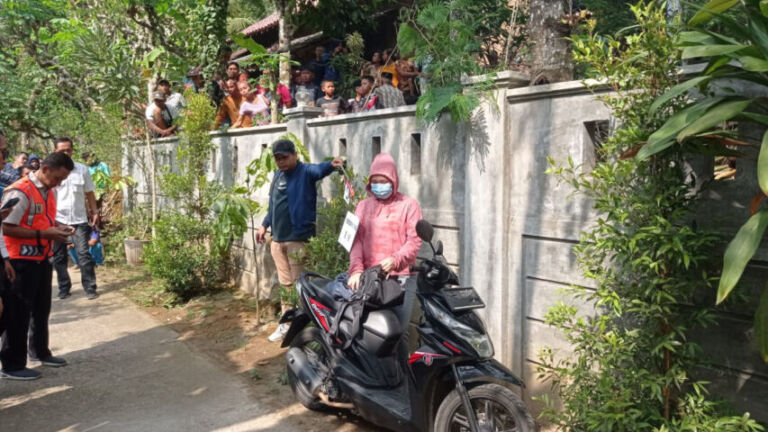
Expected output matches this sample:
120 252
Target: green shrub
179 256
182 253
632 365
323 253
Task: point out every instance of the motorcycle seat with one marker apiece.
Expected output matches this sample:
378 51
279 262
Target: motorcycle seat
316 285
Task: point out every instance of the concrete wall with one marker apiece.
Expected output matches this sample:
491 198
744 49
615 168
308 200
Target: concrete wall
508 227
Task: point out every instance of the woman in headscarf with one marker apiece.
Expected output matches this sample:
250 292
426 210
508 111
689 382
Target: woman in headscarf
387 232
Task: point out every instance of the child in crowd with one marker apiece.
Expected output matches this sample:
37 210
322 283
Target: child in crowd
331 105
254 109
94 248
305 85
26 169
364 99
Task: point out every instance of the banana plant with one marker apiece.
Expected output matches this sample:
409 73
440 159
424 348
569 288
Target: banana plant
738 51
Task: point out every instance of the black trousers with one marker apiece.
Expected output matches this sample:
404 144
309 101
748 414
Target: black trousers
3 289
87 266
27 306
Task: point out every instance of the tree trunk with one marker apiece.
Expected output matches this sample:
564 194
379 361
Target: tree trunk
24 141
285 34
550 51
151 155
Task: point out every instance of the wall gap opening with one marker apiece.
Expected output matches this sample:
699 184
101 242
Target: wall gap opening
415 154
235 153
375 146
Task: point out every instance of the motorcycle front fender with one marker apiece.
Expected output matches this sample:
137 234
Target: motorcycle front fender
488 371
299 319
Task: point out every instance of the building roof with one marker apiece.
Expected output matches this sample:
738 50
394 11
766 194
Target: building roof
263 25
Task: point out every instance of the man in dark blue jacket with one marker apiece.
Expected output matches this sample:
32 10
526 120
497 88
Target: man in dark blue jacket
292 213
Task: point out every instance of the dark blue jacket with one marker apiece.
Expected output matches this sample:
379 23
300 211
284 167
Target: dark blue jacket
302 196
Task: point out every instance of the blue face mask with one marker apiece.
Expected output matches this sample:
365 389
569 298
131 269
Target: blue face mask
381 190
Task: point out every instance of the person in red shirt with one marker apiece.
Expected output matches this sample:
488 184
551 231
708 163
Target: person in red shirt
283 92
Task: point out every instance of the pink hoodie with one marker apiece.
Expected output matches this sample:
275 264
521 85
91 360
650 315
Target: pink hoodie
387 227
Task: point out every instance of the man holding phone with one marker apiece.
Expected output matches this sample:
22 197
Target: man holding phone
76 207
29 232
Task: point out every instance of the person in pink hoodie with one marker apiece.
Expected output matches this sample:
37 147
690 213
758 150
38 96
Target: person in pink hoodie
387 232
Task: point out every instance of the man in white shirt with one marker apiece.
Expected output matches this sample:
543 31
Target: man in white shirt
174 100
75 207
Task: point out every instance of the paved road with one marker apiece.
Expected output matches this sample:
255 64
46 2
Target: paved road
128 373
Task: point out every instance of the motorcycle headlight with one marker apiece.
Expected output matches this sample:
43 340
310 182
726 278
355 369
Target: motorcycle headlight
478 341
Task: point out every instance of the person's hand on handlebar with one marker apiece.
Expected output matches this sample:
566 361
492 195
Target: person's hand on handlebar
354 281
337 162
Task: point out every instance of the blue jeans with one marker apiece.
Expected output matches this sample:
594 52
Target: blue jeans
87 267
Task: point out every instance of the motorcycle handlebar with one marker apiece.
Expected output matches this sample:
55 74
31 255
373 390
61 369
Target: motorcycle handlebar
431 272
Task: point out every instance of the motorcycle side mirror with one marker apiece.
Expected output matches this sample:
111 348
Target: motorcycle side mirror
424 230
439 248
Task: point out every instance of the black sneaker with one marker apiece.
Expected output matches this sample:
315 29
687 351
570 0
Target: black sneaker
20 375
51 361
92 295
62 296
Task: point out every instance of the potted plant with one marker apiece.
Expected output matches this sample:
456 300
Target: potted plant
136 228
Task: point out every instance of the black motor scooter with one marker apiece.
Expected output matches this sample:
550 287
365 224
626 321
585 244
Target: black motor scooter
414 367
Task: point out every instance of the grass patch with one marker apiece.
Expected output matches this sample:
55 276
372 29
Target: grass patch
255 374
149 293
282 379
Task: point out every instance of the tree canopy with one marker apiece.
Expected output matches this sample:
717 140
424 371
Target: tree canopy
64 60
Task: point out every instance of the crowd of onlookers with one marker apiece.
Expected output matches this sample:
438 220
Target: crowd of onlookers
243 98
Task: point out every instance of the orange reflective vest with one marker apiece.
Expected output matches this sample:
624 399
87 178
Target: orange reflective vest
40 215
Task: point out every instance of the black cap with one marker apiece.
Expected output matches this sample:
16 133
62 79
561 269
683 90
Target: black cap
283 146
387 75
357 83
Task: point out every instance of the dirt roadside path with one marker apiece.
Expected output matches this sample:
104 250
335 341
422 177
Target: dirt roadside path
190 369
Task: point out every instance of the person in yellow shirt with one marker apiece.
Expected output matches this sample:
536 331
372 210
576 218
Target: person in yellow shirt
389 66
229 110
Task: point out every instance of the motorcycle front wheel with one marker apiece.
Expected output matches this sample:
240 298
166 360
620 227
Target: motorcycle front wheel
497 409
310 341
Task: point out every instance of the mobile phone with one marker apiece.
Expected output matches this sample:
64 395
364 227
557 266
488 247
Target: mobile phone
10 203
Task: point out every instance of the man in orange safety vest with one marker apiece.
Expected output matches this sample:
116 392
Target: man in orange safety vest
29 232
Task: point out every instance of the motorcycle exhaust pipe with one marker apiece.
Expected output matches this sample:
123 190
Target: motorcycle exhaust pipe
299 365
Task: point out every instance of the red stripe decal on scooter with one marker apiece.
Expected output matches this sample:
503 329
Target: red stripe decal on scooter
427 357
452 348
316 306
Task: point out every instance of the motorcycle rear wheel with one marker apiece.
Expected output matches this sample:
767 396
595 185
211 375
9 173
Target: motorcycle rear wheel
497 409
310 341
